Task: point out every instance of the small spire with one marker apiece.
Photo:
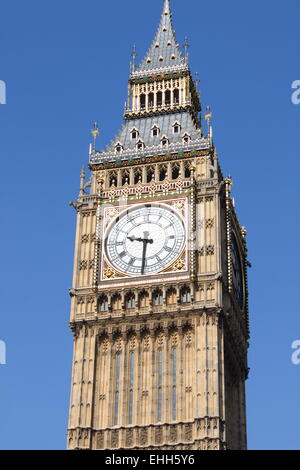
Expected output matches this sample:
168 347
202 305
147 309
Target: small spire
208 117
133 55
164 52
186 46
95 132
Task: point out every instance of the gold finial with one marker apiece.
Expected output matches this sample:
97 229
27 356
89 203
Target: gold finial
95 132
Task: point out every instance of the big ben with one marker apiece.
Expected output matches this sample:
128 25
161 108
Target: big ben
159 308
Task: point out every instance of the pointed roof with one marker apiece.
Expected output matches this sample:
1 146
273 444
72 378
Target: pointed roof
164 53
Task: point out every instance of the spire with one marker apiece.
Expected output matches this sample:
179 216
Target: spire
164 53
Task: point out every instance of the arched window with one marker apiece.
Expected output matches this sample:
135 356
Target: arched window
118 148
159 99
140 145
155 131
175 96
176 127
185 295
137 176
130 300
112 178
175 171
143 299
125 177
157 297
186 138
134 134
171 296
150 174
187 171
116 302
142 101
167 98
164 142
151 100
163 173
103 303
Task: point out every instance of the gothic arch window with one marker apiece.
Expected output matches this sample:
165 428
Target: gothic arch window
155 131
185 295
134 133
140 145
176 127
150 174
151 100
175 96
163 171
112 179
186 138
171 296
142 101
157 297
116 302
187 170
175 171
119 147
167 98
125 177
130 300
143 299
164 141
137 176
103 303
159 99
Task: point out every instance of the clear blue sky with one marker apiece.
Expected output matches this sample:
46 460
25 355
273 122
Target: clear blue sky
66 64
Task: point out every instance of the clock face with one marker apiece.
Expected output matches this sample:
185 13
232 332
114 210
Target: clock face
145 239
237 272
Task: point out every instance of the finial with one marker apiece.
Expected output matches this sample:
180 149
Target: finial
208 117
133 55
95 132
186 46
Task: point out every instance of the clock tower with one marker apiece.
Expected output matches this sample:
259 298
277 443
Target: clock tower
159 297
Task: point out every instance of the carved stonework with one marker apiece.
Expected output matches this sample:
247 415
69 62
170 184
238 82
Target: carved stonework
100 440
129 438
173 433
114 438
143 436
188 432
158 434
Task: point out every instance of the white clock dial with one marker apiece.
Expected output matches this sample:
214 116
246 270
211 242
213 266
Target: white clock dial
145 239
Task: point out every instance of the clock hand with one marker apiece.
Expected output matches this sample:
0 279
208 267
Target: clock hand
145 241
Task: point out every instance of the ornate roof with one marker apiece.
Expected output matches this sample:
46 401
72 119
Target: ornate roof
151 143
164 53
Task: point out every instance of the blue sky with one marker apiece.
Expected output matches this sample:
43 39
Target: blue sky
66 64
